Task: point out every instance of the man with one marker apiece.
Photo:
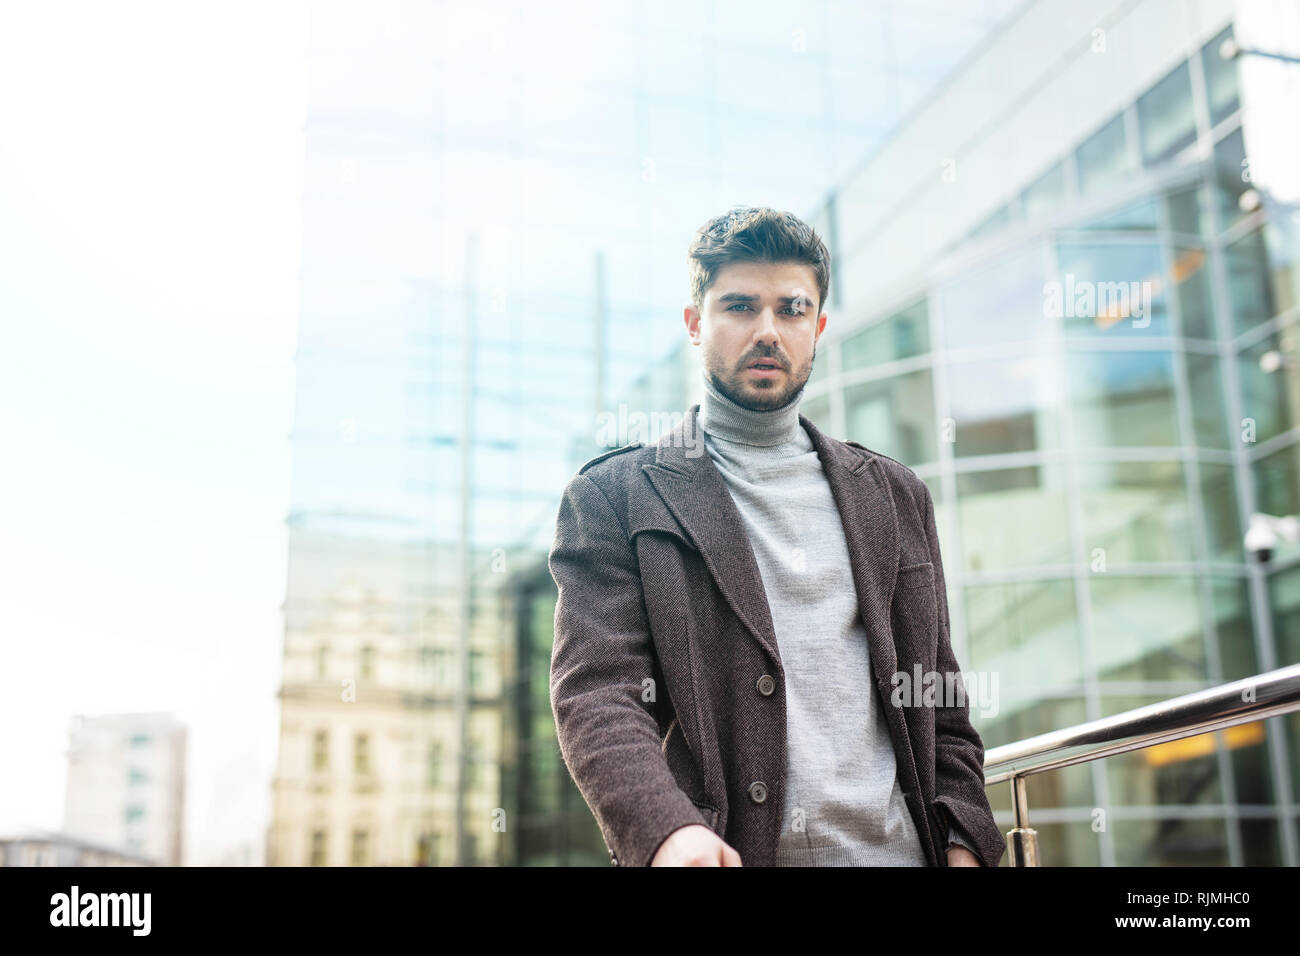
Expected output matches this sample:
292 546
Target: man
736 612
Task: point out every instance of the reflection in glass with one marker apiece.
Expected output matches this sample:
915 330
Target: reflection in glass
1123 398
1233 627
1045 193
1102 159
1191 278
894 416
1165 116
1002 302
1019 718
1005 405
1277 490
1146 628
1230 178
900 336
1112 288
1270 383
1170 841
1220 80
1184 209
1027 632
1135 511
1219 507
1209 413
1013 517
1263 276
818 411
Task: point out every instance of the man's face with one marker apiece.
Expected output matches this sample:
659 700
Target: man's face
759 312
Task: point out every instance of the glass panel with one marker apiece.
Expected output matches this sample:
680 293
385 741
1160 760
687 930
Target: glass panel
818 410
1277 490
1270 383
1018 719
1005 405
1026 632
894 416
1170 841
1220 79
1284 607
1139 216
1261 278
1179 773
1184 209
1123 398
1045 193
1209 410
1135 512
900 336
1219 505
1001 302
1102 159
1261 841
1192 280
1234 627
1040 533
1000 219
1146 628
1112 288
821 361
1230 178
1165 116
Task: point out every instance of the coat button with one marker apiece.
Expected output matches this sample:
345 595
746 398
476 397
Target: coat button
766 685
758 791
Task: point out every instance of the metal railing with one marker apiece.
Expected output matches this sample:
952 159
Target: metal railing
1240 702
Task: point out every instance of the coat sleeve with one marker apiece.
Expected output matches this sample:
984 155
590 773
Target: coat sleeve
602 655
958 749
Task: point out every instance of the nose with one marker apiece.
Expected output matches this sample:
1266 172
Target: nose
765 331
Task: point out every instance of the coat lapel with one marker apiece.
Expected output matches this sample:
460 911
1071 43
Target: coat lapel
695 492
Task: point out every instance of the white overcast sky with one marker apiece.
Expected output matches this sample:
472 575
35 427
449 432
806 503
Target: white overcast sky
151 163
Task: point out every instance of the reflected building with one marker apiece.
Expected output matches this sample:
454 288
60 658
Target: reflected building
490 234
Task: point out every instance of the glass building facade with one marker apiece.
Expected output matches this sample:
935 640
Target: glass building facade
1100 382
1098 376
493 245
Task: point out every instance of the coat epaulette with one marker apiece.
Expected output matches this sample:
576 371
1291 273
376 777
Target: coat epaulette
849 441
608 454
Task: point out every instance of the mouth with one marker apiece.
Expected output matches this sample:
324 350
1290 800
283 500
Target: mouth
764 367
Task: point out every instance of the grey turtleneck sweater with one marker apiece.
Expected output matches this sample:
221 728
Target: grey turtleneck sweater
843 804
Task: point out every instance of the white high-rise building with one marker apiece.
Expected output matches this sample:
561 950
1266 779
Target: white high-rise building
126 783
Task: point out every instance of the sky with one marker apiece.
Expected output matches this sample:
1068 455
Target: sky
151 230
151 163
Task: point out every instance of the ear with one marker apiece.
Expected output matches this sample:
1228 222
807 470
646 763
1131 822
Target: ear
691 316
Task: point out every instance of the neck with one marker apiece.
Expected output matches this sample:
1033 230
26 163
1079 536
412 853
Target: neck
720 417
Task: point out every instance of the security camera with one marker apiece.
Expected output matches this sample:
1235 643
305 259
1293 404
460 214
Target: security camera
1265 532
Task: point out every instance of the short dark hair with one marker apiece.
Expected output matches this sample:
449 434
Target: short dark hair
757 234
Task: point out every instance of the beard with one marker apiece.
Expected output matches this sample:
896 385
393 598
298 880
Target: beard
760 395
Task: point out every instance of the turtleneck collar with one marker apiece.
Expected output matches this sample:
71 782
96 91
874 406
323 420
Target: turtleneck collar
720 417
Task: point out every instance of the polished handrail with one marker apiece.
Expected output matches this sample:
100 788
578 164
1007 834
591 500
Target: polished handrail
1239 702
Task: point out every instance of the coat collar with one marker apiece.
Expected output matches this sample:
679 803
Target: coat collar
697 495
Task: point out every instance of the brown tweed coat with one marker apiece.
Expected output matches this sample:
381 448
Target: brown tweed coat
666 679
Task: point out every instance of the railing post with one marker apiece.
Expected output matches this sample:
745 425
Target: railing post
1023 841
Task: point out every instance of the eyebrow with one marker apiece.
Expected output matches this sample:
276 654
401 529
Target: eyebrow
746 297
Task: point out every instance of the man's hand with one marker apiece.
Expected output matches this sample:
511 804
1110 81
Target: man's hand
960 856
695 845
